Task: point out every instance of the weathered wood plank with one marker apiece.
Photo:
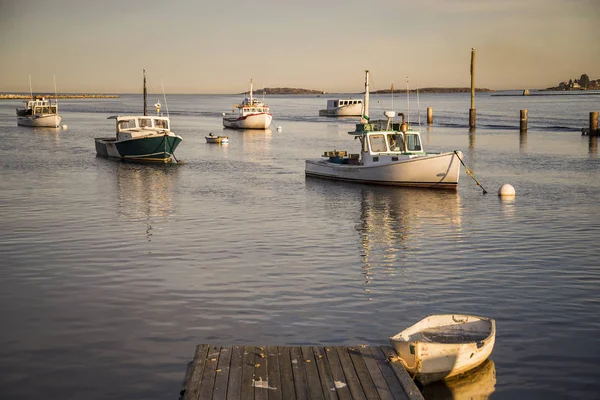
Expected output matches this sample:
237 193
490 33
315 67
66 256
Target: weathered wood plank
376 376
325 374
299 373
313 381
234 387
274 378
193 389
210 370
350 373
410 388
188 376
222 374
288 390
388 374
339 380
248 373
261 379
363 374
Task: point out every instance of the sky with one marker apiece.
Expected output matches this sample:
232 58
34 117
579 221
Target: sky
201 46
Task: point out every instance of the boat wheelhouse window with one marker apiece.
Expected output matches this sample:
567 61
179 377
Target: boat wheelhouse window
413 143
145 123
127 124
161 123
378 143
335 103
396 142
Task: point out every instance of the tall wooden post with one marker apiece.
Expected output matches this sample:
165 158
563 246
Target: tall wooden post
594 123
472 112
429 115
523 124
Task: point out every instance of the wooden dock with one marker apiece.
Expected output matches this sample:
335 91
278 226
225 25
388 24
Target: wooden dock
296 373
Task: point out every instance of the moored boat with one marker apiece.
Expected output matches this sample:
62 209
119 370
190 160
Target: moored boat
250 114
211 138
39 112
390 154
441 346
343 108
140 138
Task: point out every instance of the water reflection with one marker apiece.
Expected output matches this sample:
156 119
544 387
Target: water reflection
523 141
593 146
392 220
145 192
479 383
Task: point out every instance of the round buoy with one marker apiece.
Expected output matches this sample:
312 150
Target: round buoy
506 190
64 127
279 129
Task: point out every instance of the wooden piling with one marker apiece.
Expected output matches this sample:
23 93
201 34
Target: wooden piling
429 115
523 125
472 112
594 123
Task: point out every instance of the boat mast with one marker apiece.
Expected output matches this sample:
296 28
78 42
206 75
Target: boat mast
55 93
366 101
30 90
251 99
145 110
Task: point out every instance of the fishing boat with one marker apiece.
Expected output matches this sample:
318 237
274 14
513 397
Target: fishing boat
343 108
390 154
441 346
211 138
140 138
251 113
39 112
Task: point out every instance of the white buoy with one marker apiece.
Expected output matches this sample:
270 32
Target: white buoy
64 127
279 129
506 190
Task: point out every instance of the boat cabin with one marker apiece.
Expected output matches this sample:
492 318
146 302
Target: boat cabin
332 104
252 106
39 106
135 126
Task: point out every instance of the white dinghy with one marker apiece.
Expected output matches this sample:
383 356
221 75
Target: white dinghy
445 345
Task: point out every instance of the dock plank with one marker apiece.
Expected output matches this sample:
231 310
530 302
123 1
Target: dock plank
248 373
222 374
299 373
325 374
363 374
234 387
342 388
273 376
350 373
193 389
261 379
388 374
411 389
288 389
313 381
376 376
210 370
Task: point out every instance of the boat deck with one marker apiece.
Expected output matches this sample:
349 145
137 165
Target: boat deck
288 373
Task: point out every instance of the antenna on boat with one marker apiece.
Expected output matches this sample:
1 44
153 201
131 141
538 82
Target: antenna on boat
392 95
165 96
55 93
366 101
145 112
407 102
418 107
251 98
30 90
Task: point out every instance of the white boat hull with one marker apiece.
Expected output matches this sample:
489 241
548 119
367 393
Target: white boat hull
253 121
42 121
349 111
446 345
438 171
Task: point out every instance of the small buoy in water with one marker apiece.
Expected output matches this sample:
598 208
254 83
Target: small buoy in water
279 129
506 190
64 127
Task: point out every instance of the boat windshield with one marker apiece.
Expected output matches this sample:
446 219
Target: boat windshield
145 123
161 124
413 142
377 143
396 142
127 124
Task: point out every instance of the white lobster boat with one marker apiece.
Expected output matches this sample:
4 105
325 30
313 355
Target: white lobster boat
390 154
343 108
250 114
40 112
445 345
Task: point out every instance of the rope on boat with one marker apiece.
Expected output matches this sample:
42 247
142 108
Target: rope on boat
468 171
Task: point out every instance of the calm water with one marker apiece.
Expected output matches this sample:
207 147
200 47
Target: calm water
112 272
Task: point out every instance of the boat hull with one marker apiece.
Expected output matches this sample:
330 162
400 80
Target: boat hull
253 121
440 171
442 346
42 121
342 112
157 148
217 139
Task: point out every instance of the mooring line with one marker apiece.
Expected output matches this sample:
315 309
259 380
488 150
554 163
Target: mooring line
469 172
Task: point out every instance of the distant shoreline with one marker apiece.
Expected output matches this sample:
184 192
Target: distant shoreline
9 96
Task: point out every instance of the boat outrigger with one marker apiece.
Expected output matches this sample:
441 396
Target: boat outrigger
391 154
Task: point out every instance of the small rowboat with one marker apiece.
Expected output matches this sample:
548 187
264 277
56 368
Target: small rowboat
216 139
445 345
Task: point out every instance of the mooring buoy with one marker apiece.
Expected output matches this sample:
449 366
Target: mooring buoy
506 190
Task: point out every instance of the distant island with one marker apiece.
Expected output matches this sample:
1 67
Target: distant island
284 90
583 83
8 96
434 90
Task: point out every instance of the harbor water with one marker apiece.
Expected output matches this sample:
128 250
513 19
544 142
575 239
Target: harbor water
113 272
